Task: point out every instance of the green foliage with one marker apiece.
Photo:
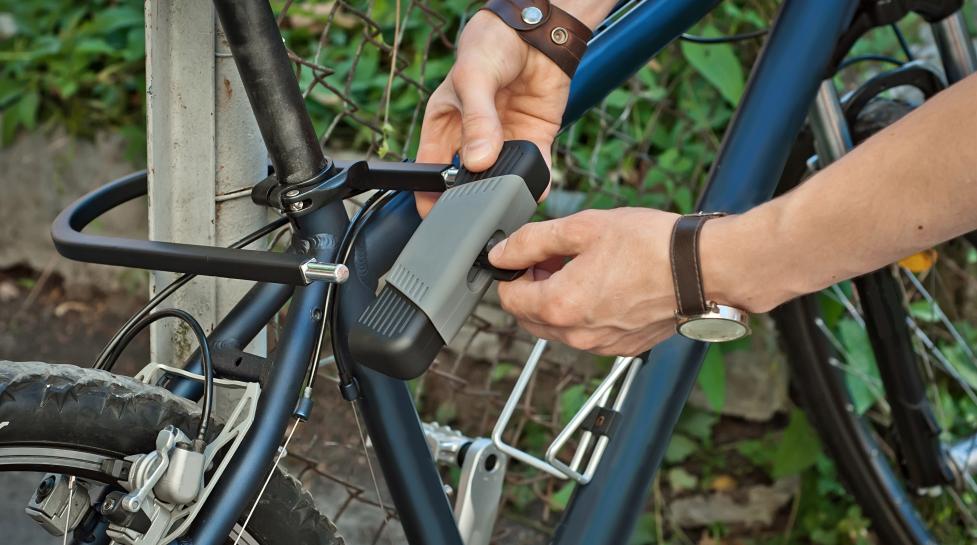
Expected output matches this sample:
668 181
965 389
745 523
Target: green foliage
798 449
826 515
680 480
923 311
559 500
645 532
718 64
692 433
651 143
862 376
360 106
503 371
79 65
446 412
680 448
790 452
571 400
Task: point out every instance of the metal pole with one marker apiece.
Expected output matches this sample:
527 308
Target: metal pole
203 148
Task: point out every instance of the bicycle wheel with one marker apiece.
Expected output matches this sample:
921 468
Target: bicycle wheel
70 420
833 341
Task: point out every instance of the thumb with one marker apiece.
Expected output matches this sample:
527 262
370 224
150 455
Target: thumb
481 132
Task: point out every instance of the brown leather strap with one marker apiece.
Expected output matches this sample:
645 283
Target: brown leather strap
554 32
686 272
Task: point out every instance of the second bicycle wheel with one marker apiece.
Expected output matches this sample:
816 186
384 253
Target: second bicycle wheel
857 348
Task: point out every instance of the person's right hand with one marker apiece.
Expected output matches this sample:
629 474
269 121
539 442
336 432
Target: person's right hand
499 89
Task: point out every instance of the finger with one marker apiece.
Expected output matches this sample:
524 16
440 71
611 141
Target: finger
541 241
549 267
441 127
524 298
481 129
425 201
440 137
546 269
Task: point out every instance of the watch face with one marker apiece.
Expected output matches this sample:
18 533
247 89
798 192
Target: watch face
713 329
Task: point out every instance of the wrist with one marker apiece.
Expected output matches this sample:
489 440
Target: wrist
587 12
739 264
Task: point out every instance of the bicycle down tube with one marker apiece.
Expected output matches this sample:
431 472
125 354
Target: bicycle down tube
794 60
745 174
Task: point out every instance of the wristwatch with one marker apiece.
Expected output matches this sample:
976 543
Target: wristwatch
551 30
697 318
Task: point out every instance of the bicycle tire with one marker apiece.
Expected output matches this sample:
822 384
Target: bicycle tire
64 409
821 390
826 402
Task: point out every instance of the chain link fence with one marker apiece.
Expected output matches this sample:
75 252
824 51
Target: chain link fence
366 69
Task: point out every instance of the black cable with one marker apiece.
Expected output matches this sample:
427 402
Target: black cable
903 43
171 288
208 364
724 39
377 201
869 58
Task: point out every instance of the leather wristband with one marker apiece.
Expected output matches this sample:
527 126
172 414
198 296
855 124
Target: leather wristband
686 271
549 29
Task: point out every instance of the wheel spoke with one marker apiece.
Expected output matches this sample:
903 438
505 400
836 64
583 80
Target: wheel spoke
839 296
937 311
968 516
963 454
67 515
945 364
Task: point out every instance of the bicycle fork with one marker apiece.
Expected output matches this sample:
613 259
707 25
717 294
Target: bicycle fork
925 460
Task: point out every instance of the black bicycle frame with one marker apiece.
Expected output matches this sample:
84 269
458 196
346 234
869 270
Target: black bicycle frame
797 55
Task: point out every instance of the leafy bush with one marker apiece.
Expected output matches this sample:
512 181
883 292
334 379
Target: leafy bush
74 64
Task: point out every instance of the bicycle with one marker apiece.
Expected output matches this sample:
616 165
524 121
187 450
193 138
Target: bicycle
176 473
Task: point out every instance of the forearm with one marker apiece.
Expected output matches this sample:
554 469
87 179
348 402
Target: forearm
589 12
906 189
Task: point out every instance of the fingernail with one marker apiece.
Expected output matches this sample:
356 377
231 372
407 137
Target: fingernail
476 151
496 251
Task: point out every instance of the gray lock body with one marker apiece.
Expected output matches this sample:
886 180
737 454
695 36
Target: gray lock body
435 270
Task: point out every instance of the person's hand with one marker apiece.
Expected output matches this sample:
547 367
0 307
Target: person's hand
499 89
601 280
614 296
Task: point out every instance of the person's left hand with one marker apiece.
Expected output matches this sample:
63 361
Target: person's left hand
499 89
614 295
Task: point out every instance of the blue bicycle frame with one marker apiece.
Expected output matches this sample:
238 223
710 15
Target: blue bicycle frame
798 54
796 57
